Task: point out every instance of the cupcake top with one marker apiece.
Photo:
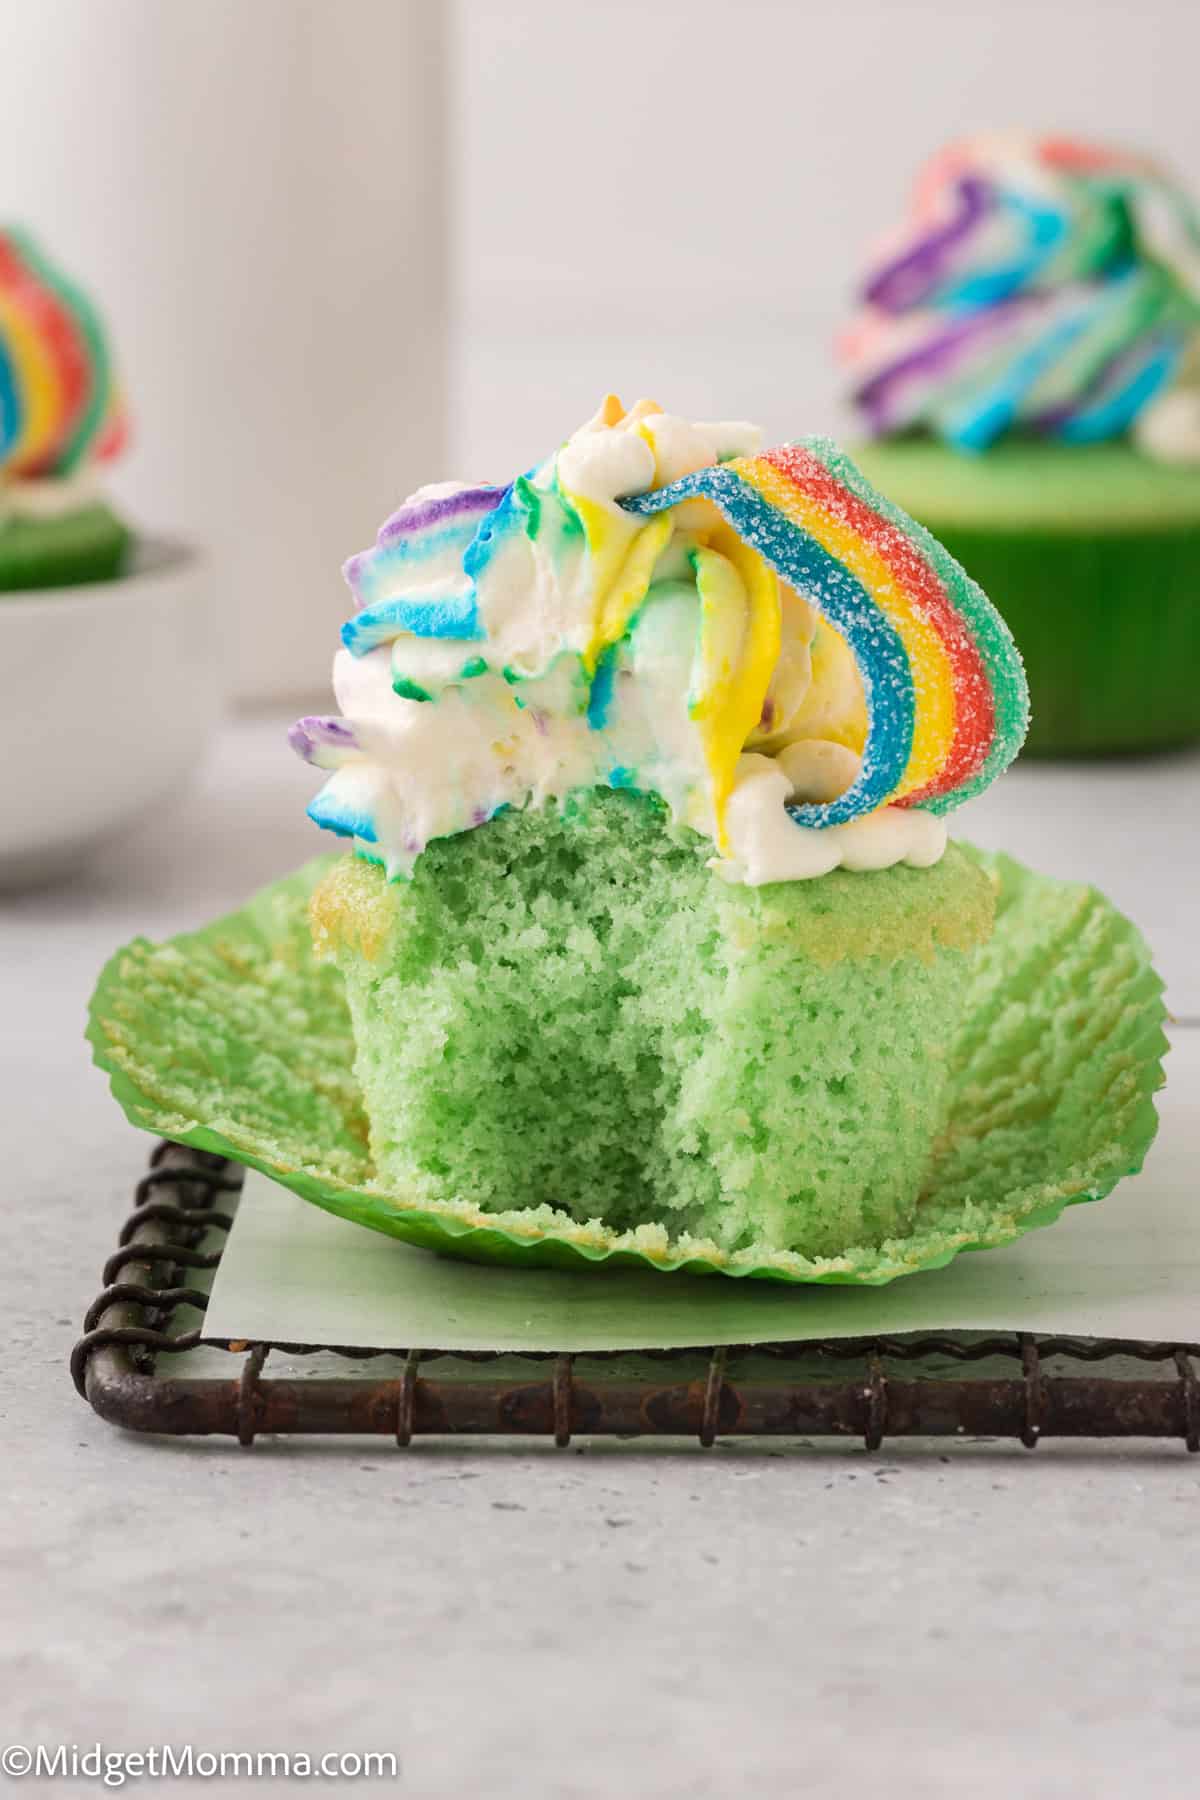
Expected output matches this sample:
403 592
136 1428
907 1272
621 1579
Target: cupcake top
60 409
795 668
1038 285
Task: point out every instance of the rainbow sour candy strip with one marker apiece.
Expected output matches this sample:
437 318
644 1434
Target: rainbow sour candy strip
947 703
58 403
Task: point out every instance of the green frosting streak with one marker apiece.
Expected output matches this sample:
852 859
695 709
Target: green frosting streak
530 502
570 523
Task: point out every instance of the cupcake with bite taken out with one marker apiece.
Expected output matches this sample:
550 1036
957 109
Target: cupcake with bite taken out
1027 366
650 924
648 947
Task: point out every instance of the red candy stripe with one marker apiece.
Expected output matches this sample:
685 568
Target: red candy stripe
54 324
974 709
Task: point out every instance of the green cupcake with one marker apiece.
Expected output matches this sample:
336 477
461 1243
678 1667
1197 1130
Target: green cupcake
650 946
1028 362
572 1010
636 935
61 417
237 1039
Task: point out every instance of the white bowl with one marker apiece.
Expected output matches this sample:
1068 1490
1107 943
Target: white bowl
108 692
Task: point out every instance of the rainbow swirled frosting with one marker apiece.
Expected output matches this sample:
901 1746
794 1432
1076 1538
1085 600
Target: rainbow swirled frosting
799 671
60 408
1038 285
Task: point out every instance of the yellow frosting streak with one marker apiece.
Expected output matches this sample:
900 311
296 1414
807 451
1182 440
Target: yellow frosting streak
740 637
610 411
833 672
622 559
932 674
38 386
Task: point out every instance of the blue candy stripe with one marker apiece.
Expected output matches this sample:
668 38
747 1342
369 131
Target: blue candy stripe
842 599
993 640
10 405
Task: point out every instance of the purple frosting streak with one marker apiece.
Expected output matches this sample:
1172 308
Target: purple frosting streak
908 279
419 515
879 397
308 736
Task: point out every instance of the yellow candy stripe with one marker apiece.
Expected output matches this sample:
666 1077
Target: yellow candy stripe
39 388
933 726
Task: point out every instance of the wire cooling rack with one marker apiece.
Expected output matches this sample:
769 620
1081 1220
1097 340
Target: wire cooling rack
130 1364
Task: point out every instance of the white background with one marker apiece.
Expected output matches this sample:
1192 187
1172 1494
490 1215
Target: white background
237 178
300 214
674 197
255 192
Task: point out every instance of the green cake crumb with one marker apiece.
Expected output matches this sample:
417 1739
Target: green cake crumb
571 1010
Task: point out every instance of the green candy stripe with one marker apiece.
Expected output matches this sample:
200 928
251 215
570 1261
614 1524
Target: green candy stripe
993 639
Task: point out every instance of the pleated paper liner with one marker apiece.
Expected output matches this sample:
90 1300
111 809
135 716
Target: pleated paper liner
233 1039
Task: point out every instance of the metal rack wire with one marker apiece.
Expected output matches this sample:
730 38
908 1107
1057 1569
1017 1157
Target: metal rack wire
870 1388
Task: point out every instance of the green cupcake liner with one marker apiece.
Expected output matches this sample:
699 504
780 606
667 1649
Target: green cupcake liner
1108 626
89 545
234 1040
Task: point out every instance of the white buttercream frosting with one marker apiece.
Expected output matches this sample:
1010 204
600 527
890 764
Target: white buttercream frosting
1169 427
500 697
48 497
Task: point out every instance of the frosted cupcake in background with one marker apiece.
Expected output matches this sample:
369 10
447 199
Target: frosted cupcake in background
61 420
1027 366
111 635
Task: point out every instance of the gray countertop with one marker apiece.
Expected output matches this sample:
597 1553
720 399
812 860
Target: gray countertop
609 1620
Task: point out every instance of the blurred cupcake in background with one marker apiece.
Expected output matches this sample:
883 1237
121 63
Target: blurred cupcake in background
61 421
1026 365
109 671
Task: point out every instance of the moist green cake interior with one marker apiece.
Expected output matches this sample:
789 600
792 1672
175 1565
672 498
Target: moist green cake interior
574 1012
1018 485
236 1039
